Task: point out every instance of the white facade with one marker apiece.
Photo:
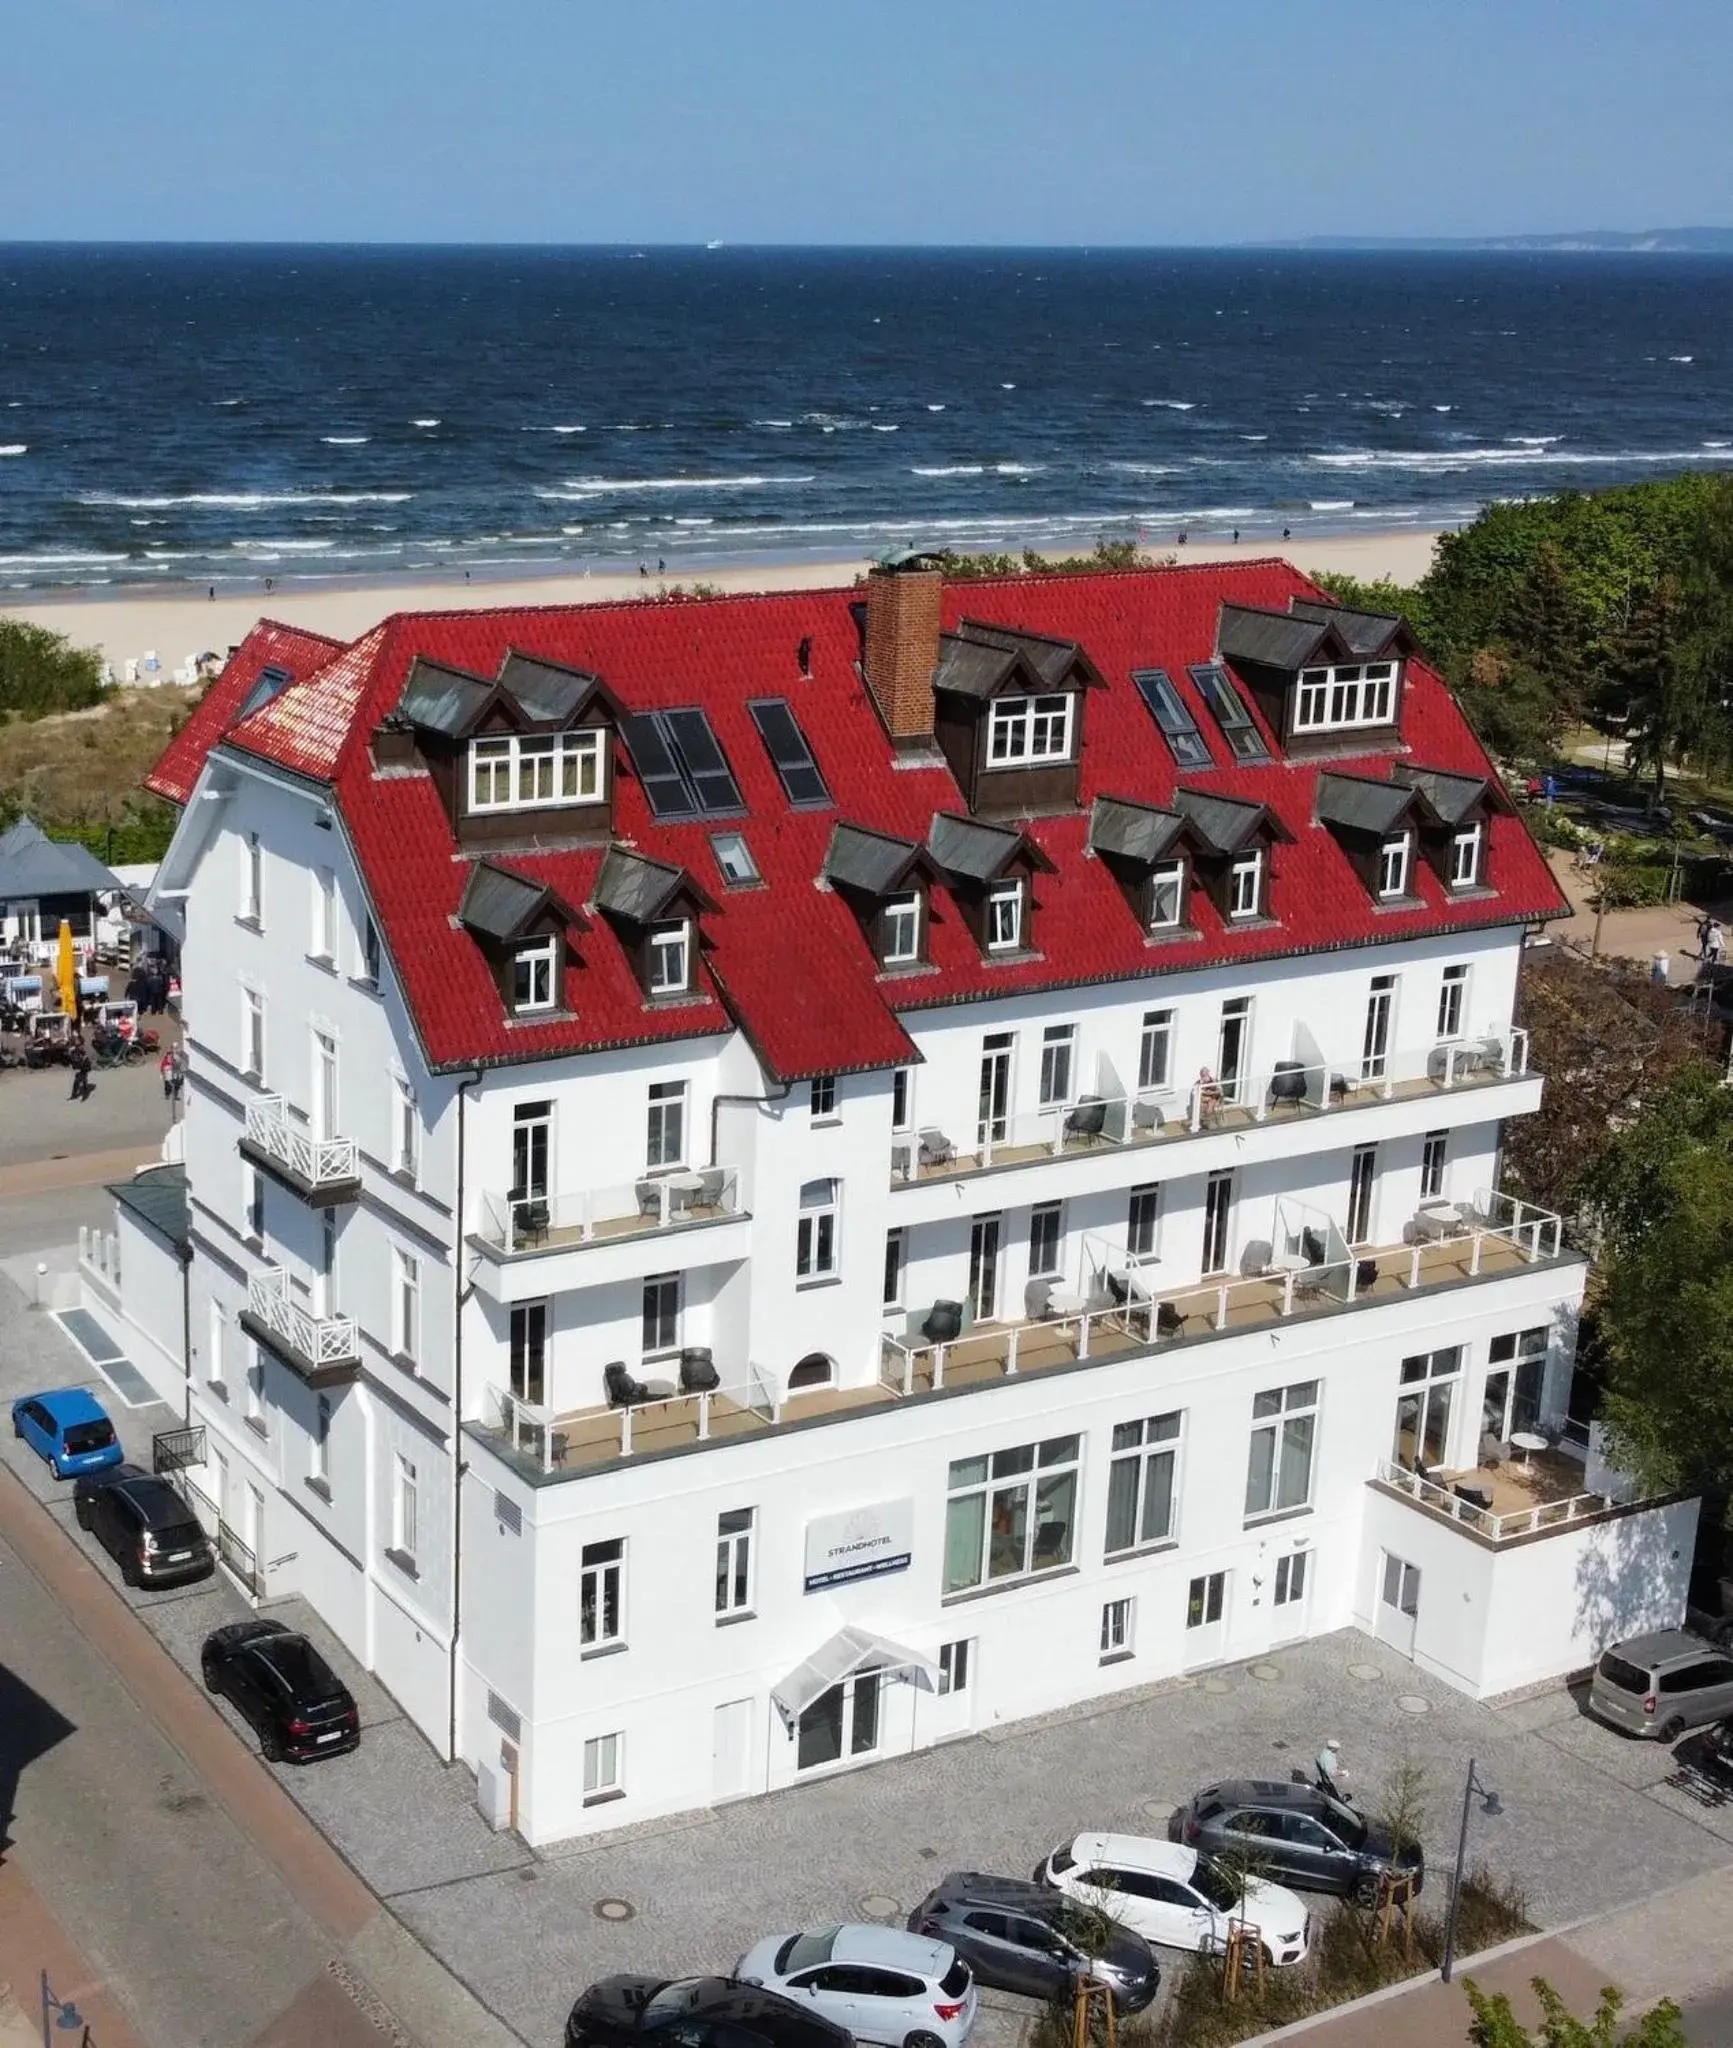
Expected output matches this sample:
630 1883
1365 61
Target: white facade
401 1364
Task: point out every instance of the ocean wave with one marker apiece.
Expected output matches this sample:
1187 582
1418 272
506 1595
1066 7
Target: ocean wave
953 469
585 430
241 501
780 426
1145 468
345 440
1444 408
1681 359
58 561
15 448
935 408
1007 387
424 423
1441 461
283 547
1330 504
603 486
1173 404
835 422
1533 440
877 429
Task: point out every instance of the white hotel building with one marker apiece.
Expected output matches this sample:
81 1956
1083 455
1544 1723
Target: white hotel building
778 1179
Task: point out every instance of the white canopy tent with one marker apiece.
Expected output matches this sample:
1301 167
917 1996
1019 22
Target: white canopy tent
849 1651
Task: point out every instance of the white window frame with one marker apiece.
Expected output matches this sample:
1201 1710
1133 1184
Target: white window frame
1155 1051
900 928
818 1232
324 946
902 1099
505 770
319 1443
405 1507
540 960
736 1558
1244 902
1434 1165
1118 1619
367 943
1465 872
1053 1266
1393 857
954 1662
1352 694
601 1588
1023 731
1167 896
896 1268
824 1098
1048 1473
1005 917
252 881
665 1107
1452 1002
255 1408
253 1204
1293 1419
216 1343
663 1283
1143 1210
604 1768
406 1129
327 1117
734 860
252 1033
1138 1448
670 958
405 1303
529 1343
1290 1583
1058 1072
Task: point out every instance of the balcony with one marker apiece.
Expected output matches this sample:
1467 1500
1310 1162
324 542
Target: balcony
1530 1496
1291 1092
1121 1312
322 1171
538 1244
321 1350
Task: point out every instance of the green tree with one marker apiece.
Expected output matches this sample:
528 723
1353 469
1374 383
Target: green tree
1495 2026
42 672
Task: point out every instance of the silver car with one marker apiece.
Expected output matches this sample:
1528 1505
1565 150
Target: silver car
1660 1685
881 1983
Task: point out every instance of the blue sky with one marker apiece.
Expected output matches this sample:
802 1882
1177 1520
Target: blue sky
1089 121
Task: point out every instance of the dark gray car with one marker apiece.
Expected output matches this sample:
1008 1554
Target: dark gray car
144 1525
1018 1936
1296 1834
1659 1685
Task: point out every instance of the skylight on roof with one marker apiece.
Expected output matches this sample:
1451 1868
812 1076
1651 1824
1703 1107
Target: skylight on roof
790 754
1218 690
1170 712
734 858
269 683
681 764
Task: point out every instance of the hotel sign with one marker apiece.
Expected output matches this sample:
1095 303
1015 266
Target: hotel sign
865 1543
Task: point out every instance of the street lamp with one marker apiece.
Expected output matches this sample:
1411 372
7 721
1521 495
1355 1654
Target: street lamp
1490 1806
66 2016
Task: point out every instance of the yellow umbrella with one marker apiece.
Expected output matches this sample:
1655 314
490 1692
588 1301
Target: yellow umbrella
65 972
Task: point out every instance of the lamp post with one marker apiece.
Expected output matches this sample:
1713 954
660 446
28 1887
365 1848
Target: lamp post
1489 1805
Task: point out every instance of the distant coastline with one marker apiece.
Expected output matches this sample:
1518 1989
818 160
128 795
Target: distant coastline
1581 242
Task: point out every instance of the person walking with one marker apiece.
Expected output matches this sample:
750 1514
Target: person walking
1715 944
81 1088
1332 1778
1703 924
166 1068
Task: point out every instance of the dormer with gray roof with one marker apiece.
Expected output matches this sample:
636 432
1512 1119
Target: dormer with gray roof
1326 677
1008 715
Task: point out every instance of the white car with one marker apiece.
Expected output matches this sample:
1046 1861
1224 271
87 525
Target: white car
881 1983
1171 1895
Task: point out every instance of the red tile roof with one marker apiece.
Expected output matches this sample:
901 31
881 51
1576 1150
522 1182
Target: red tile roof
269 645
787 962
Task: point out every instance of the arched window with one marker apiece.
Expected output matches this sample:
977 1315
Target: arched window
814 1370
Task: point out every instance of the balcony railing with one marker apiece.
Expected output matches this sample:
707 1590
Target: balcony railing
330 1167
322 1348
1531 1519
517 1223
601 1433
1289 1090
1120 1308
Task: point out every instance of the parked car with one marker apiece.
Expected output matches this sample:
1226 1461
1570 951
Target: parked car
1173 1896
695 2012
278 1682
1296 1834
1018 1936
1710 1755
881 1983
144 1525
1660 1685
69 1430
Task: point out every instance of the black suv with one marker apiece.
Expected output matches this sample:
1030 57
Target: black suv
696 2012
144 1525
1018 1936
298 1707
1295 1833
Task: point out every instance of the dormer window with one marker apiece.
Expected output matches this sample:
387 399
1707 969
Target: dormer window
1336 699
514 772
1393 867
900 930
1005 917
1021 730
533 976
670 959
1465 857
1246 885
1166 897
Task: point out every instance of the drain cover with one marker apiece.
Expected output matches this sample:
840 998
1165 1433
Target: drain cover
877 1907
1158 1809
615 1909
1266 1671
1216 1685
1412 1703
1365 1671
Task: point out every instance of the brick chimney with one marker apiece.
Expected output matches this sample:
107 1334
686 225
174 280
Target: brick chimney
902 643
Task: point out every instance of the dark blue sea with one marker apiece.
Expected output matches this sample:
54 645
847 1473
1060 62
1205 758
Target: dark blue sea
223 415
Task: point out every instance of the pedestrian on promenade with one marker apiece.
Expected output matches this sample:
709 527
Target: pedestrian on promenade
1332 1778
81 1088
166 1068
1715 944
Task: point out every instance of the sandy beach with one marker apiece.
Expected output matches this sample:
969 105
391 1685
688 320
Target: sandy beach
181 623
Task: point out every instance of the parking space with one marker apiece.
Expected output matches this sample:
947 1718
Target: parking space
1590 1819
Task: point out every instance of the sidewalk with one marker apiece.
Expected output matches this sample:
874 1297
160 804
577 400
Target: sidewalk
1673 1945
32 1943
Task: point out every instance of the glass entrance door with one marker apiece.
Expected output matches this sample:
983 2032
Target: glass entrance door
1218 1205
984 1268
532 1128
995 1111
1375 1046
1231 1047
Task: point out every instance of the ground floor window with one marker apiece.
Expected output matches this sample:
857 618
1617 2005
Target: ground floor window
1291 1578
603 1758
1205 1599
1116 1630
841 1722
953 1667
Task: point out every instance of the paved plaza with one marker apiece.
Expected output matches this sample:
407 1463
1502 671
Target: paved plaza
1591 1820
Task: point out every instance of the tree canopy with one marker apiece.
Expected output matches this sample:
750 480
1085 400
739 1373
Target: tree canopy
1495 2025
42 672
